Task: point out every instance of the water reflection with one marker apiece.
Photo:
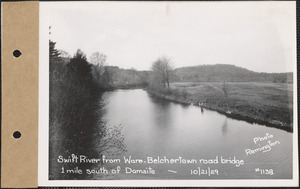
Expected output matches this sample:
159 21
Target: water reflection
148 126
162 114
156 127
224 127
72 131
82 131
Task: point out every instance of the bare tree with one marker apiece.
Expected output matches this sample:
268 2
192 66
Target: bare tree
225 88
162 68
65 56
98 58
99 61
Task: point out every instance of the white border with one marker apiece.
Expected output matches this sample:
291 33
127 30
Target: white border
43 150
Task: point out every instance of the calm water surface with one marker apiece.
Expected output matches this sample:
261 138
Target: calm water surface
153 127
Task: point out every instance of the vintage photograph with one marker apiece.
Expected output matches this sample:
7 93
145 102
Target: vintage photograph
171 90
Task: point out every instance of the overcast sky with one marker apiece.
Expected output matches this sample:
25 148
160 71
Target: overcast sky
259 36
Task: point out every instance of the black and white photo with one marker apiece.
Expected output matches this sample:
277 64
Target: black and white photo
168 93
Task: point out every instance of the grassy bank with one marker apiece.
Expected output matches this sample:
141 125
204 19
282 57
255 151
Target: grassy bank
270 104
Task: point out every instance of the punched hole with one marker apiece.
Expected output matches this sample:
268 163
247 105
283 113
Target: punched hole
17 134
17 53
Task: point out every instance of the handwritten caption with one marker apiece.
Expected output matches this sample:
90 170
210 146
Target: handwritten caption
263 144
127 164
151 165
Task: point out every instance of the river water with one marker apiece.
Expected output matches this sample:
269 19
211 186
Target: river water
153 128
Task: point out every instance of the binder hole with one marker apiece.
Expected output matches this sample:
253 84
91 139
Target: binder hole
17 134
17 53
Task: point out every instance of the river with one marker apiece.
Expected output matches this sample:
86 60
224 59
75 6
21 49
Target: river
154 127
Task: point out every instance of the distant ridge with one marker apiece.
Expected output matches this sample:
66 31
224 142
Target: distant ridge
227 72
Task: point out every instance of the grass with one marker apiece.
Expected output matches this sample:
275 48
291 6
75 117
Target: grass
267 103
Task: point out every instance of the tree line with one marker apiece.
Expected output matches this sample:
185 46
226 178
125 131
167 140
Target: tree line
96 72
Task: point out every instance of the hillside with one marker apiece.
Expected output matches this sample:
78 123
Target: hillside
226 72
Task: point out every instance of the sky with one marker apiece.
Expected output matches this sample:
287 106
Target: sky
259 36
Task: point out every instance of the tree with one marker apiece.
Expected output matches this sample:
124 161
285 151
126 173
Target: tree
98 58
54 54
79 66
162 69
99 62
225 88
65 56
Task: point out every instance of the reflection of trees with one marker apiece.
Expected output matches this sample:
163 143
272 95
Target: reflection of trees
73 126
162 107
82 132
110 141
224 127
162 104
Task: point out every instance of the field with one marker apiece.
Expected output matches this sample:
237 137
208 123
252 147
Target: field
267 103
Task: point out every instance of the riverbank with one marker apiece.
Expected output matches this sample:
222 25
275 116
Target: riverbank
125 86
269 104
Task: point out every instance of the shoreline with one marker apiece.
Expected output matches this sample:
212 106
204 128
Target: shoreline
116 87
250 118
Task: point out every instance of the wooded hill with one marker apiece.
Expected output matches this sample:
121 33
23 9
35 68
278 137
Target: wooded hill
203 73
226 72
